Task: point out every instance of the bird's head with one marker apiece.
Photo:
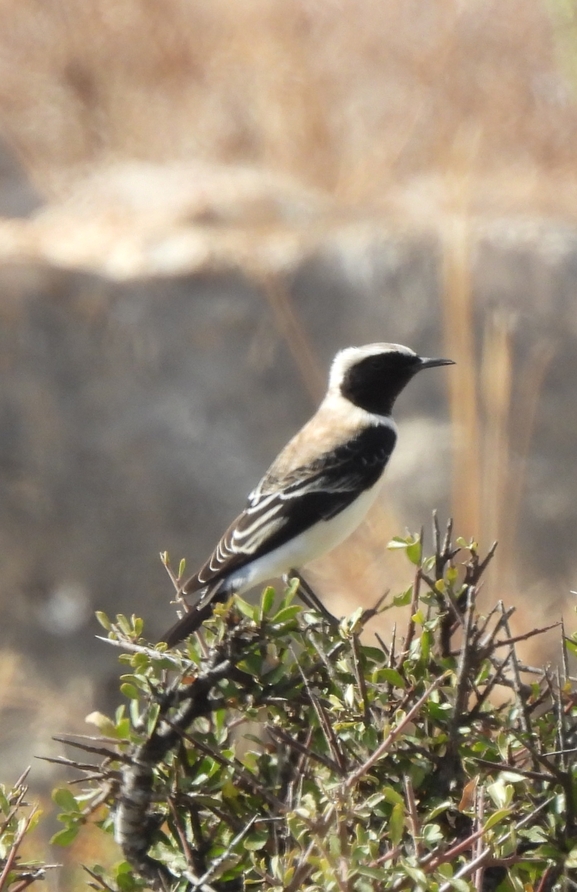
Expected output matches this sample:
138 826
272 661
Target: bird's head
373 376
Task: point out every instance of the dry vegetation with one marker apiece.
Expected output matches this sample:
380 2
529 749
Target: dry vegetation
348 97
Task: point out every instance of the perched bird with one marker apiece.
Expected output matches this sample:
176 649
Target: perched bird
319 488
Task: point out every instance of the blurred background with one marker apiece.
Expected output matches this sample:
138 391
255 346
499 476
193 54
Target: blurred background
200 203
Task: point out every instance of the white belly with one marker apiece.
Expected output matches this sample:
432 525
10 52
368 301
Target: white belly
311 544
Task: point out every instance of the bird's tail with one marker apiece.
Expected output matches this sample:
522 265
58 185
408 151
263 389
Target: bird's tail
196 615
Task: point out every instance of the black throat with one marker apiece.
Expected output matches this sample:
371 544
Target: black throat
375 382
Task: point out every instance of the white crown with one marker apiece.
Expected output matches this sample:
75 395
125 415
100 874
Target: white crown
345 359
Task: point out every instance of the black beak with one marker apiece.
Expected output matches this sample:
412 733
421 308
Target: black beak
427 363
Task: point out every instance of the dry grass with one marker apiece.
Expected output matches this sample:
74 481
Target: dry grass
348 98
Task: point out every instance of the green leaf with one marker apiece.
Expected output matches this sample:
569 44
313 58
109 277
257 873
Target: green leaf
393 796
375 873
460 885
290 591
130 691
571 859
411 544
103 620
397 823
417 875
64 799
4 804
393 677
373 653
66 836
122 730
451 574
500 792
497 817
404 599
396 543
257 840
34 820
124 624
349 625
440 712
106 727
276 674
432 834
267 601
286 614
571 646
248 610
536 835
252 664
414 552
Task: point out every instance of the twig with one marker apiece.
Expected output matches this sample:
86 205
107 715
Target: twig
369 612
237 767
201 882
98 879
485 855
360 677
97 750
131 647
464 670
478 847
413 816
80 766
412 611
13 852
526 635
302 749
303 869
380 751
187 851
330 736
505 766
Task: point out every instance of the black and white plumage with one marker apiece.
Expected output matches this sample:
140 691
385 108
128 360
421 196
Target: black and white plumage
319 488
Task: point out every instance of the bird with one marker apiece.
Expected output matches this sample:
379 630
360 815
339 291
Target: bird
320 486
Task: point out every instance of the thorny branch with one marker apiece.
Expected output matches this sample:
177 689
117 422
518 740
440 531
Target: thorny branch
457 673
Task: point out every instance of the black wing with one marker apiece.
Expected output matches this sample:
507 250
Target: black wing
281 508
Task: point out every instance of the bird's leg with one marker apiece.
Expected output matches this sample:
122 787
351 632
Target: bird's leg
309 598
181 603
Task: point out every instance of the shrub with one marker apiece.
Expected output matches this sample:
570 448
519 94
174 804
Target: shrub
278 751
17 820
